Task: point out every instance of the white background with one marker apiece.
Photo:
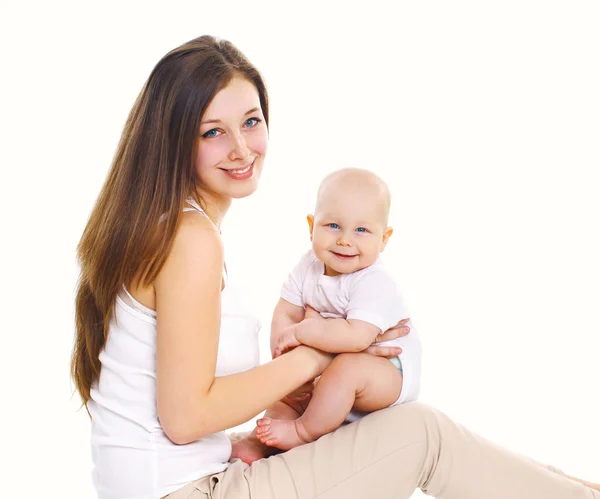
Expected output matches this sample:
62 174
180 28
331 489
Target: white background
483 117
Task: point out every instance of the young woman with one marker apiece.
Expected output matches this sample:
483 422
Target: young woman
165 360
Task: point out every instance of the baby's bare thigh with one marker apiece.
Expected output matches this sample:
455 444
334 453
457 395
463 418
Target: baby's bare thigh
378 382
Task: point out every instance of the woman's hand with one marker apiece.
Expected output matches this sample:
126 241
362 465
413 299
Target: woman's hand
399 330
303 392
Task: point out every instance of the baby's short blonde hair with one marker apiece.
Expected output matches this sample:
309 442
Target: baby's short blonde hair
363 182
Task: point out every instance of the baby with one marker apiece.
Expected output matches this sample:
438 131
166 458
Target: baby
343 278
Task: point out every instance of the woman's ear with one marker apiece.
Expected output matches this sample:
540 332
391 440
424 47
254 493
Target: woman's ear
386 236
311 222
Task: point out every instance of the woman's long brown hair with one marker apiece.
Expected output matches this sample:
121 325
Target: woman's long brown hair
151 177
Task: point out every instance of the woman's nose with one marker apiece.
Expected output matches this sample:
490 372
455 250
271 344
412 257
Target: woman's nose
239 149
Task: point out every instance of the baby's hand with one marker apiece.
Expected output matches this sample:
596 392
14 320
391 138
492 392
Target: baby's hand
311 313
287 341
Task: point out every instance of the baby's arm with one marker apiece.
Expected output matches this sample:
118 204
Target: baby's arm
336 335
285 315
374 306
290 307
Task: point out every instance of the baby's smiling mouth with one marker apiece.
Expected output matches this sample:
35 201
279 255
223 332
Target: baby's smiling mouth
344 257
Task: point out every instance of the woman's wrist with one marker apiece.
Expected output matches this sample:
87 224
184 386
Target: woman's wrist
320 359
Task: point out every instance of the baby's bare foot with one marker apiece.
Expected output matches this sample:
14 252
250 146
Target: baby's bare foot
279 433
250 449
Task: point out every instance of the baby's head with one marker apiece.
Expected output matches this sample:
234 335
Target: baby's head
349 228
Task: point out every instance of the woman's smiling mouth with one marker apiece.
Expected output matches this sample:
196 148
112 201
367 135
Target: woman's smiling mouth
241 173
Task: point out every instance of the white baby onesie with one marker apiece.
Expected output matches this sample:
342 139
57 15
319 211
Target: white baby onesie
369 295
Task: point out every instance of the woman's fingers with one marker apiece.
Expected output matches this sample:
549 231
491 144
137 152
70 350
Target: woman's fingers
399 330
402 322
392 334
387 352
303 391
305 388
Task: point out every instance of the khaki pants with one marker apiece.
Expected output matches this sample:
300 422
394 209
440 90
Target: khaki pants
389 454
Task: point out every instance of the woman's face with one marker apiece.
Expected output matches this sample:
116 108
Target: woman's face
233 143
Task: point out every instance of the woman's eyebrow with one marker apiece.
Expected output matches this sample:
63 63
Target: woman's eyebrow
253 110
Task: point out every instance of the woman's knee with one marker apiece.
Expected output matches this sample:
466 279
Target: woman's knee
416 418
415 410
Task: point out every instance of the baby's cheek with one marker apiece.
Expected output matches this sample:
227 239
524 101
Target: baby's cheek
370 254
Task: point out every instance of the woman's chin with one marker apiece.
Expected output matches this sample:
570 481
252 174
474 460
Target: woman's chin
238 189
244 192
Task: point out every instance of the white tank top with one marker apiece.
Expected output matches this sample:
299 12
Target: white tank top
132 456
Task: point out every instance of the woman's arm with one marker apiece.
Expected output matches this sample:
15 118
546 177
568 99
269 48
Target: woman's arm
192 402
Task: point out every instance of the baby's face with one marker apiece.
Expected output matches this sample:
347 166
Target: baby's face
348 231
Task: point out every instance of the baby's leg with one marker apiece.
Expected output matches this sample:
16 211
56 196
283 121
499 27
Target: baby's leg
352 380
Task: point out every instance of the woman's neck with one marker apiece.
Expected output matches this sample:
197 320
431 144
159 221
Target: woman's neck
214 205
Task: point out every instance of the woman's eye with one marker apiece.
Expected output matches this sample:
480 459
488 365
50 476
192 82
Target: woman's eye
361 229
211 133
250 122
333 226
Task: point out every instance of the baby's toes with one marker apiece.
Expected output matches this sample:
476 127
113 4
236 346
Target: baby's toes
263 422
264 437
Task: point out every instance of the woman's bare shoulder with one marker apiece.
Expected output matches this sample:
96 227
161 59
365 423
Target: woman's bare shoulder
196 235
197 250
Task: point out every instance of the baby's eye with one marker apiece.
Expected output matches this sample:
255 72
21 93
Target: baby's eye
361 229
333 226
211 133
251 122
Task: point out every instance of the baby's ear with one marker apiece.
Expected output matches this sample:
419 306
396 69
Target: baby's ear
387 233
311 223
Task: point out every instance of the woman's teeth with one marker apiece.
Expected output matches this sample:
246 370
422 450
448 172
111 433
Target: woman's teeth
241 170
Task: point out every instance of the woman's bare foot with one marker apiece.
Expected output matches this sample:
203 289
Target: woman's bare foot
283 434
595 486
250 449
